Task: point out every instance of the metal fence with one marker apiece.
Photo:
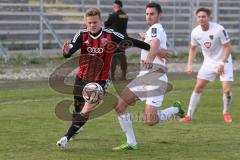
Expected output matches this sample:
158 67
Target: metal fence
37 26
180 19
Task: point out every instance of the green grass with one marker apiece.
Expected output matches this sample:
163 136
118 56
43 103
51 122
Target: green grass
29 128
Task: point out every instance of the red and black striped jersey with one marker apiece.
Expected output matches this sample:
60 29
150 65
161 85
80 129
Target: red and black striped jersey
97 50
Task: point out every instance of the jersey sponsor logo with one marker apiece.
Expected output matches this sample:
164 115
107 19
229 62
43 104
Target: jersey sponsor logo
211 37
207 44
154 32
95 50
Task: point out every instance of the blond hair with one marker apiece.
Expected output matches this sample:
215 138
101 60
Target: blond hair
93 12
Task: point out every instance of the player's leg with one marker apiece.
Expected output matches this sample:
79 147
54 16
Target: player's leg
227 96
78 120
156 87
194 100
195 97
206 74
126 98
79 103
153 114
137 90
78 106
227 99
80 114
227 79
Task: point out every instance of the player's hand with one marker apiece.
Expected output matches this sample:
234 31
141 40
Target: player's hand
142 35
163 54
189 69
66 47
220 69
148 63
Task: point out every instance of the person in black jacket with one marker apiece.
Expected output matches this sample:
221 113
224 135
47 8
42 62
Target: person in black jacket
118 22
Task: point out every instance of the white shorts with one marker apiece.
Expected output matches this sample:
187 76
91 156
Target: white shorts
151 88
209 72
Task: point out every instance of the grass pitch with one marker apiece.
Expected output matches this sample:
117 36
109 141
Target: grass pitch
29 127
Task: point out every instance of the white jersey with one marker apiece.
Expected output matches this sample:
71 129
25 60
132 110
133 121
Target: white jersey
151 87
155 31
211 42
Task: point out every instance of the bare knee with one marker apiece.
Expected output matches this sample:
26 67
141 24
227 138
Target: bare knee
150 123
227 91
120 106
151 119
198 89
200 85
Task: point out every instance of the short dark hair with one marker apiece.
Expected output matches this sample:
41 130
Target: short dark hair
118 3
203 10
155 5
93 12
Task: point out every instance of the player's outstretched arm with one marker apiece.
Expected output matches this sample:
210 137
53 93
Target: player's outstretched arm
137 43
191 56
148 63
70 47
154 52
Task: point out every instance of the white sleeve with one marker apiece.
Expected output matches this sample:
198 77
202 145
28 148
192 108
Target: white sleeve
156 32
223 35
193 39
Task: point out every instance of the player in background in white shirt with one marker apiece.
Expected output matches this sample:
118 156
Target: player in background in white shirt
216 49
152 81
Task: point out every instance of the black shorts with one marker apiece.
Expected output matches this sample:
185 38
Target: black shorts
80 83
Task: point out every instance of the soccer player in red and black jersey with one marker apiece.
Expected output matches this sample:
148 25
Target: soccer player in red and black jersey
97 46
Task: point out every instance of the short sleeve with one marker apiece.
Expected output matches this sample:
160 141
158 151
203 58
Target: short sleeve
156 32
193 39
223 35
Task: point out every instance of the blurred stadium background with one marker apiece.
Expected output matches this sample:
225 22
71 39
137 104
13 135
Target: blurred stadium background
38 27
29 127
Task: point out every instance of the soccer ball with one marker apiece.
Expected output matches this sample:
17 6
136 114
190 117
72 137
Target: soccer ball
92 92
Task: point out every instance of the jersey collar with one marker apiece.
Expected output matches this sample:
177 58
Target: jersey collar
96 35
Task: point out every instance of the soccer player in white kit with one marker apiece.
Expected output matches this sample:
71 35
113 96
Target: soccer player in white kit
216 49
147 81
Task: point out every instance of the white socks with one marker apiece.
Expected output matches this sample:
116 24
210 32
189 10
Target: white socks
126 124
227 99
167 113
194 100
